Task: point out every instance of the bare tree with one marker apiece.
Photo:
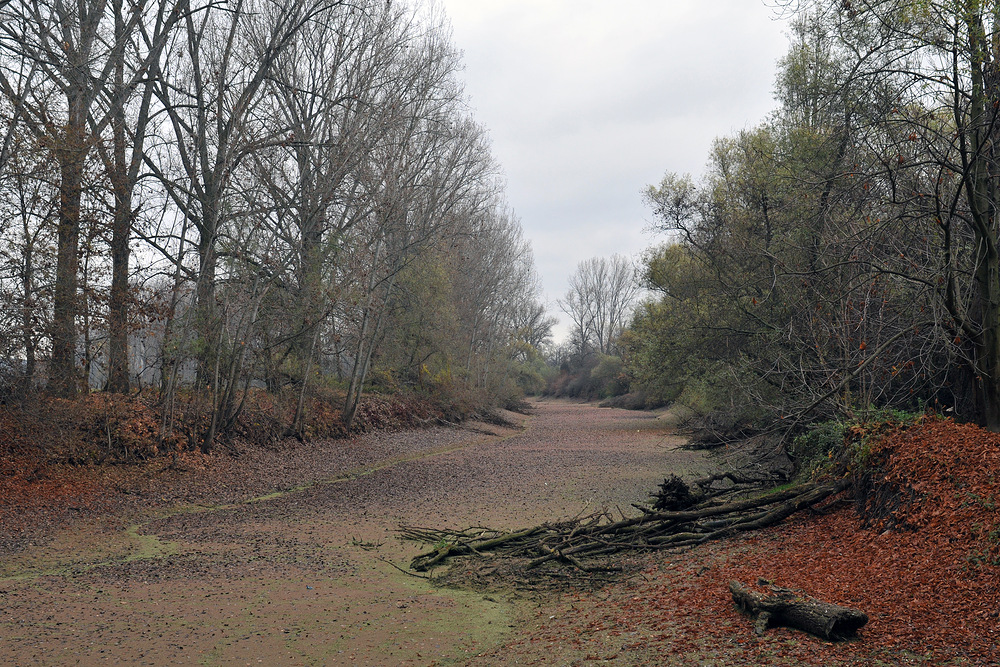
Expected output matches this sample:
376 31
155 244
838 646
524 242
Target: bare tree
140 49
28 201
300 171
328 93
420 177
78 49
496 279
212 90
599 302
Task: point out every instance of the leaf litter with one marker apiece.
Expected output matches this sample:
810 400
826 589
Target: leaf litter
927 574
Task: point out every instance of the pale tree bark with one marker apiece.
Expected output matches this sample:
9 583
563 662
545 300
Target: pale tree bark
599 302
325 94
411 185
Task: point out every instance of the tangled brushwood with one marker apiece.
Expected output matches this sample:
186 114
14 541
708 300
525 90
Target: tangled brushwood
580 540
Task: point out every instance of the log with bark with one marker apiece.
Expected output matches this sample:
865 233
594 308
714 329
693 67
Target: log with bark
600 534
794 609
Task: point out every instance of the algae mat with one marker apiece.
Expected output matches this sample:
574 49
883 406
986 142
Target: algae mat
308 575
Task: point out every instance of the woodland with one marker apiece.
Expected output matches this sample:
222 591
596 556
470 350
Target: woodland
841 256
262 204
827 291
230 224
276 206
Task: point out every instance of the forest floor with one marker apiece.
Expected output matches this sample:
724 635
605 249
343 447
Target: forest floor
289 556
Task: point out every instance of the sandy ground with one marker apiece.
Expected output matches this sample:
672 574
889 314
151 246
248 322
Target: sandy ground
290 557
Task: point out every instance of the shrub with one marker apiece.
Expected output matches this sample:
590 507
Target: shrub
609 377
813 449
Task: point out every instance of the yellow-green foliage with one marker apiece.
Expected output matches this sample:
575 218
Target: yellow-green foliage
423 335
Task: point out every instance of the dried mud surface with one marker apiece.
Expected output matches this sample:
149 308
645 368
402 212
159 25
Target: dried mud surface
287 557
290 556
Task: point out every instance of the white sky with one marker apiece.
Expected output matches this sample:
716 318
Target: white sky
588 102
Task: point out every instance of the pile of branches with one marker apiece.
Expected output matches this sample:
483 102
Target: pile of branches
692 518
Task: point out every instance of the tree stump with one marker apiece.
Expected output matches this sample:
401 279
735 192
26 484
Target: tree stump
795 610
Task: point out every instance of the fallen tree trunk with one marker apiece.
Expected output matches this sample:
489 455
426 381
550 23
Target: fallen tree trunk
795 610
598 535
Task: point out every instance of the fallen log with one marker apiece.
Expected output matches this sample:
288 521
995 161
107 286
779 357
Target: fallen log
598 534
794 609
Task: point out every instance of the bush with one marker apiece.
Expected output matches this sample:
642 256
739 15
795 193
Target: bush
534 376
635 400
596 376
96 428
865 429
609 377
720 393
846 441
813 449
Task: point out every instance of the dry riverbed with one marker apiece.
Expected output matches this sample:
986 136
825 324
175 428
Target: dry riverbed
291 557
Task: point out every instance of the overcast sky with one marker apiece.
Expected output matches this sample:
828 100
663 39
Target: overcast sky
588 102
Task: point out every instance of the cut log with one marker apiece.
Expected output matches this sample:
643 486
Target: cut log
795 610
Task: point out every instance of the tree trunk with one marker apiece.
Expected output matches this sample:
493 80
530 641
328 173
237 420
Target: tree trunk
121 231
989 352
356 387
983 192
63 375
121 227
362 356
298 423
27 310
791 609
208 324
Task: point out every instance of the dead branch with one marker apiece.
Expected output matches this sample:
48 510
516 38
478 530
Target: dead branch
599 535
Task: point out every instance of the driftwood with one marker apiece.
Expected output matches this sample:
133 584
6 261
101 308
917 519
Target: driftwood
599 534
793 609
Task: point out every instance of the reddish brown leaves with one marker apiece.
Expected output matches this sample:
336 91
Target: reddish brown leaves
30 489
932 591
932 588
